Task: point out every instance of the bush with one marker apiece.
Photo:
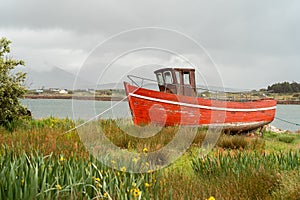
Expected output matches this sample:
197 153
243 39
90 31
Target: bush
296 95
258 144
241 162
245 175
253 185
269 134
286 138
232 142
11 87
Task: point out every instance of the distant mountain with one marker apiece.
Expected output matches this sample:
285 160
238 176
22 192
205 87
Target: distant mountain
54 78
57 77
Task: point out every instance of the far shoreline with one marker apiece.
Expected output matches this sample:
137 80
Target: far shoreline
95 98
112 98
288 102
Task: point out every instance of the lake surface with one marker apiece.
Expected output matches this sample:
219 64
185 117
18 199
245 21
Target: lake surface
61 108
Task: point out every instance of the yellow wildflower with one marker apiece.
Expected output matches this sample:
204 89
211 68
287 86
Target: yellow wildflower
123 169
97 179
61 159
105 194
145 150
58 187
211 198
113 162
136 192
134 160
22 182
147 185
215 154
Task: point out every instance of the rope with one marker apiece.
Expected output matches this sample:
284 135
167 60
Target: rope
283 120
72 129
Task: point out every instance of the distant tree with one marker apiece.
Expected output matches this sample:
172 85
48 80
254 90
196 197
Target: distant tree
284 87
11 86
295 87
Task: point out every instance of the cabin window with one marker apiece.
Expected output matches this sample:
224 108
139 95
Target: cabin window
168 77
186 78
177 74
160 79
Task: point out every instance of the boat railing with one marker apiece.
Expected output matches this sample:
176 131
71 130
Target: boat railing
142 80
207 93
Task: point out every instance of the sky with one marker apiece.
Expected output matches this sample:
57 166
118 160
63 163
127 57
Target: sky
236 44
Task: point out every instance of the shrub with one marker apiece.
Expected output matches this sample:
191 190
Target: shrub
257 144
242 162
11 87
296 95
286 138
232 142
269 134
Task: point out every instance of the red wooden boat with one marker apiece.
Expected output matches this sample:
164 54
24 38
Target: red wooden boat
177 103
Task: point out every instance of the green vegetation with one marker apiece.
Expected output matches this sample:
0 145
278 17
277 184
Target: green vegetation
39 160
286 139
31 176
11 86
246 173
284 91
284 87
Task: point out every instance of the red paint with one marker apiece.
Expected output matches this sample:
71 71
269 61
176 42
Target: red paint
146 111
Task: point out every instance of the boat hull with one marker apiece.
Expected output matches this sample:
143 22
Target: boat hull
149 106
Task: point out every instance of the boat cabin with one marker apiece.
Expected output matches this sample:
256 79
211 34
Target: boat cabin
180 81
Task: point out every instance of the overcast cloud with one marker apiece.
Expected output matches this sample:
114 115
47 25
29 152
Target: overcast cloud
254 43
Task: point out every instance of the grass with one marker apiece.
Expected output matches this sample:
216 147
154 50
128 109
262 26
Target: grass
286 139
39 160
281 141
31 176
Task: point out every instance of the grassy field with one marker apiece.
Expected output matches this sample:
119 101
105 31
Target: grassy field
39 160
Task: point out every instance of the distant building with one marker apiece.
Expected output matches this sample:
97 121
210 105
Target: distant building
39 91
63 91
54 90
91 90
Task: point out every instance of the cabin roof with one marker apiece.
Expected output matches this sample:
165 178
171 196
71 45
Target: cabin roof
188 68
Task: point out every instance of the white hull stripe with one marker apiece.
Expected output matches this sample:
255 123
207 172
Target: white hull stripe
202 106
237 124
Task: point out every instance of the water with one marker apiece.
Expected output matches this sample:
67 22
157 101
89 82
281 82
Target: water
289 113
42 108
62 108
